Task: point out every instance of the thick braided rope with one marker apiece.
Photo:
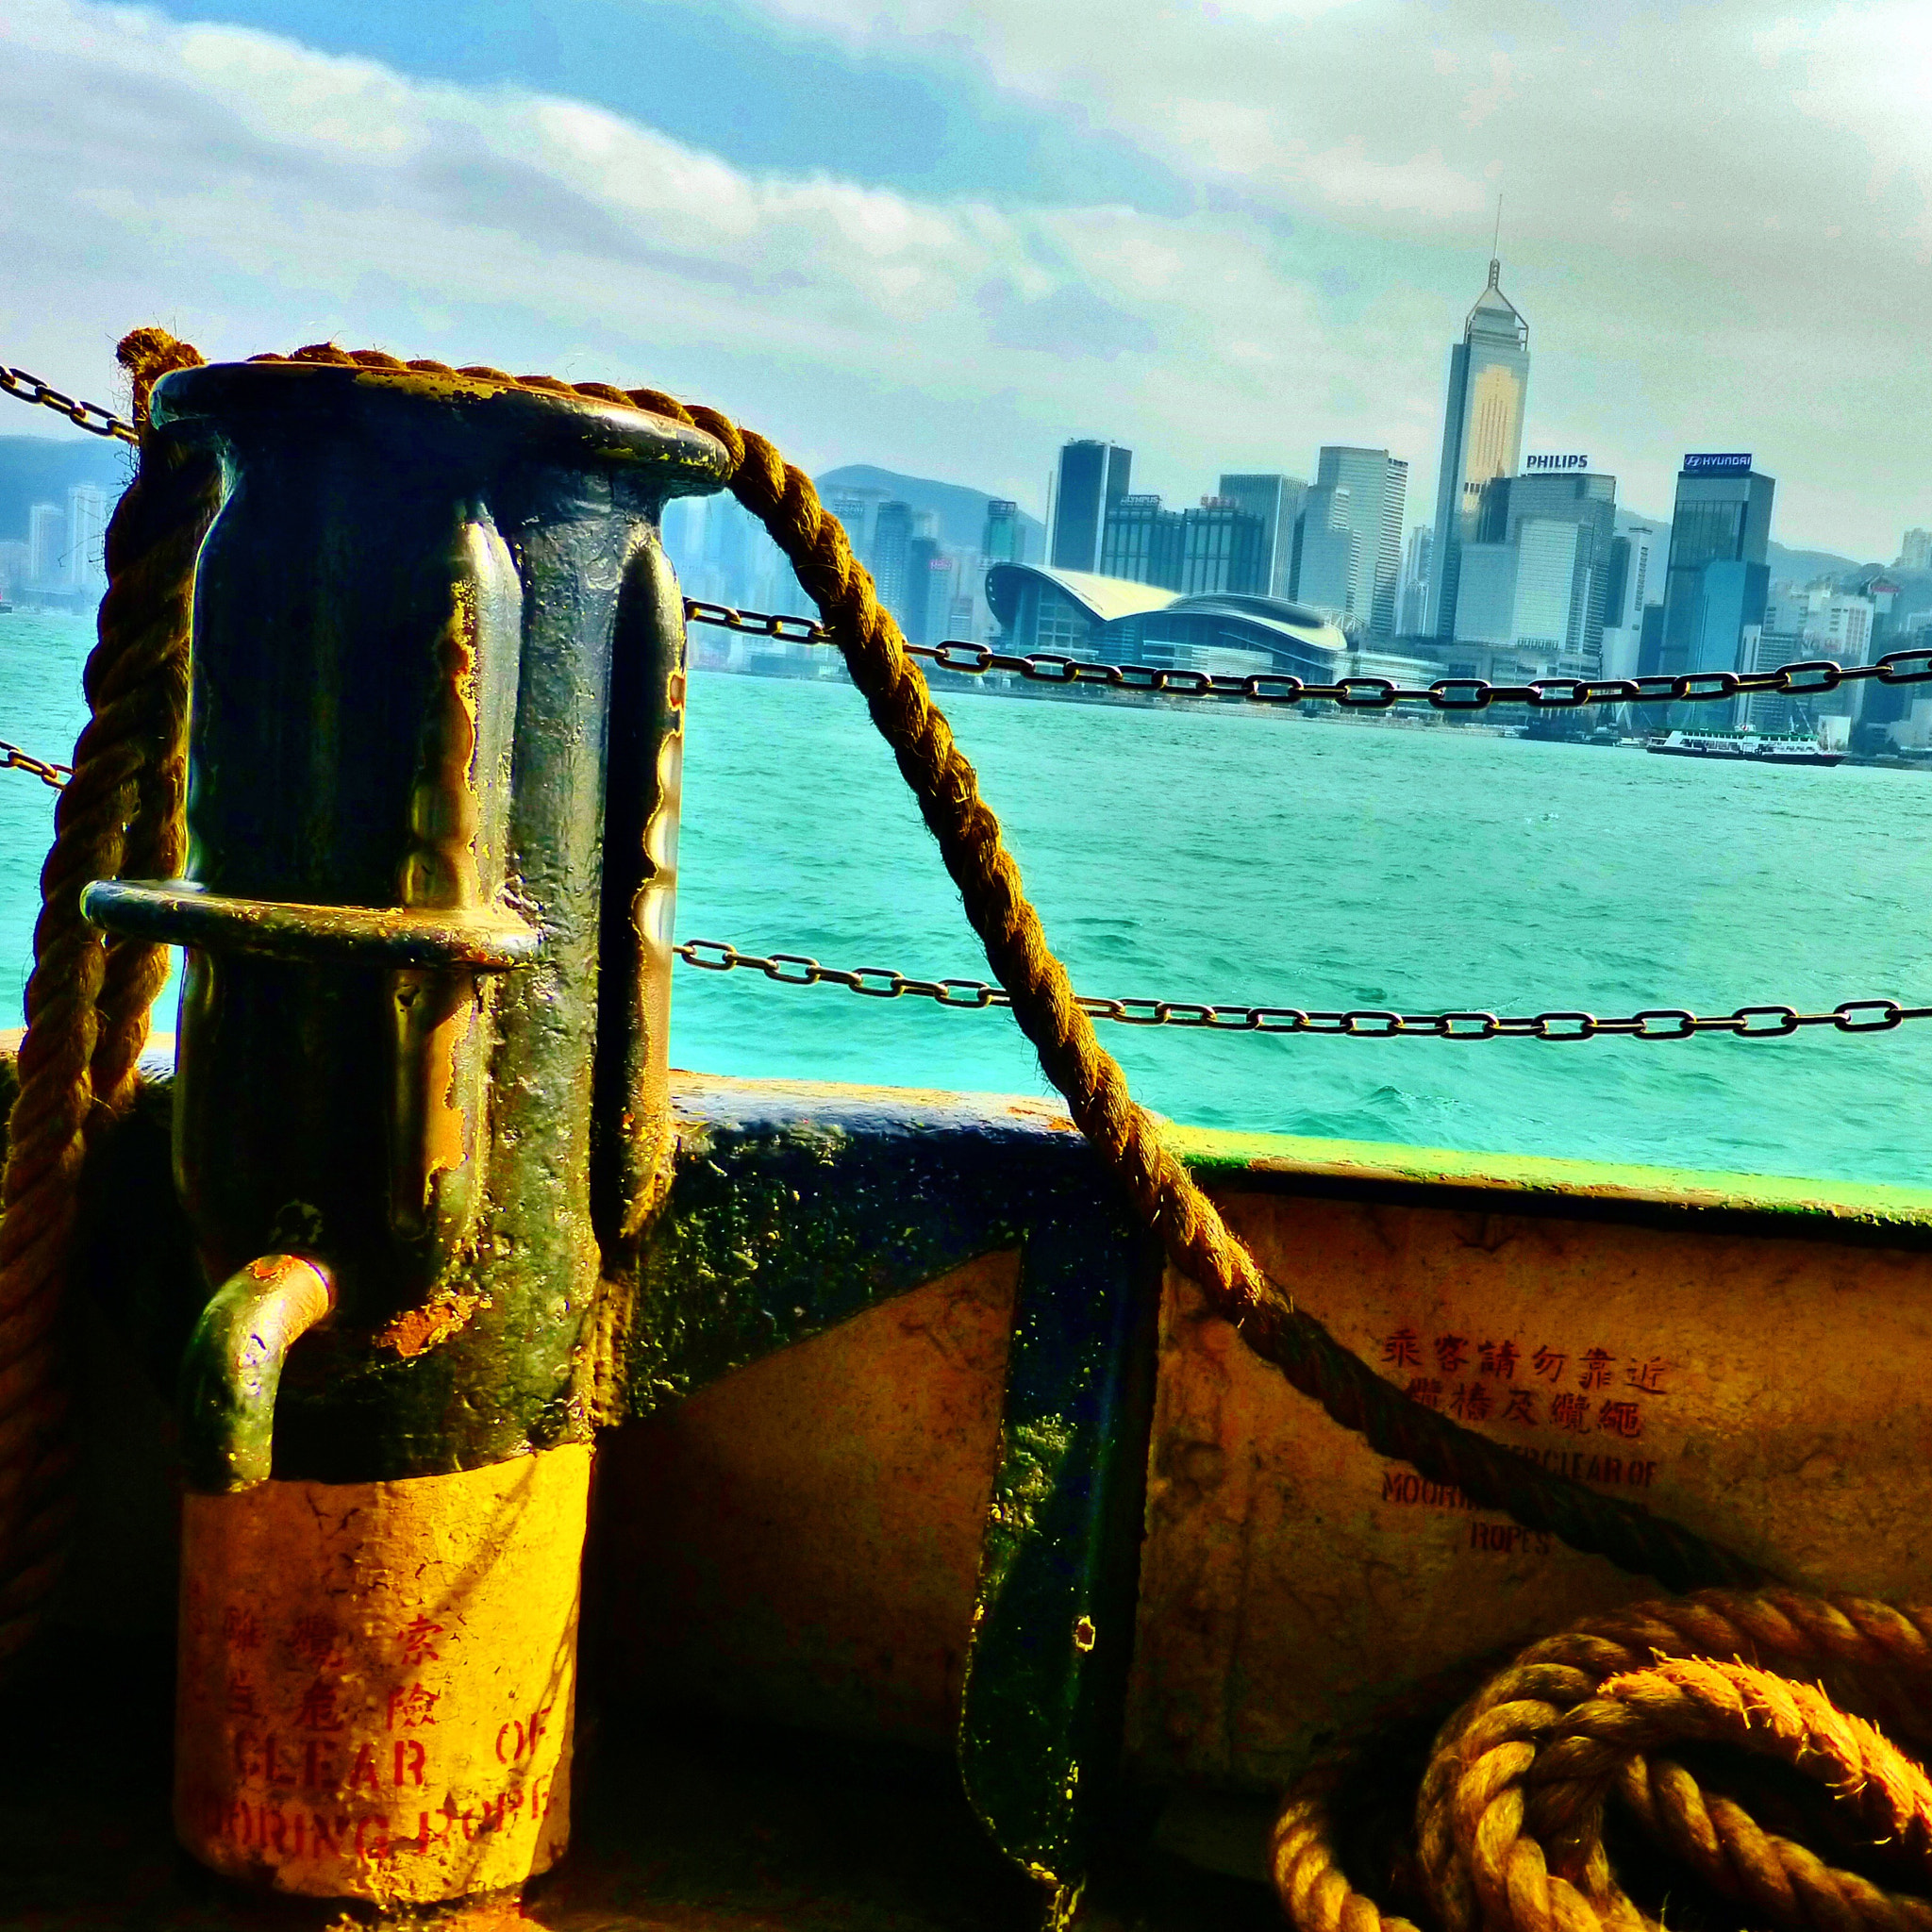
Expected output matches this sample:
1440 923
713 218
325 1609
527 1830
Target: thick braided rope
1510 1809
98 1059
1169 1202
1165 1196
87 1003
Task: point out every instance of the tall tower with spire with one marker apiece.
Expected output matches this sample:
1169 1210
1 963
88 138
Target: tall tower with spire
1482 434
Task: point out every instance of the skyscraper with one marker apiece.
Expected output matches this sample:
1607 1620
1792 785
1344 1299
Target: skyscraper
1635 571
1004 539
1632 585
1587 501
854 508
1222 549
913 606
1277 501
1326 551
891 541
86 530
1364 492
1915 552
46 545
1416 573
1143 542
1089 479
1482 434
1717 579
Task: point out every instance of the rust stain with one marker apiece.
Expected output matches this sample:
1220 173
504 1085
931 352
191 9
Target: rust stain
444 1119
417 1330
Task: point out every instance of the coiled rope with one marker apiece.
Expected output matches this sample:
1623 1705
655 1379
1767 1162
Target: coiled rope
1485 1806
1510 1812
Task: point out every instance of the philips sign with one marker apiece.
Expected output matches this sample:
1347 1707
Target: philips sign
1556 463
1716 465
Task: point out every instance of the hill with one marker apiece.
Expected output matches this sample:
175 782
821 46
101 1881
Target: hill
1795 566
961 512
43 469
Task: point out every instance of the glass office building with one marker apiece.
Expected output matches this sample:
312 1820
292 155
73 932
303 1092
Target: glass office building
1349 536
1585 501
1718 580
1277 501
1089 479
1482 435
1143 542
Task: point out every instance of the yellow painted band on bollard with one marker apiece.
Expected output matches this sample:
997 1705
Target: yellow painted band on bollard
377 1680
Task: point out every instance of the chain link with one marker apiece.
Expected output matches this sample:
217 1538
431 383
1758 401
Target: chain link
88 416
12 759
1803 679
1654 1023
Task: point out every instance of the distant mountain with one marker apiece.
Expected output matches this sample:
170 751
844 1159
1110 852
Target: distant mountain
961 512
1797 566
1804 566
43 469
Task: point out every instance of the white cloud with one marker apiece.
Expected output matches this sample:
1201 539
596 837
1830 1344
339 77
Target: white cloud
1716 221
254 193
1734 190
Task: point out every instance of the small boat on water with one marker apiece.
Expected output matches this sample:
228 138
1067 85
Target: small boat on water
1758 747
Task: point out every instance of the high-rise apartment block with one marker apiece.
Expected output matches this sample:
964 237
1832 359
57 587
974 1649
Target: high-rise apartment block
1089 479
1717 580
1277 501
1482 436
87 531
1636 581
46 545
1348 549
1829 623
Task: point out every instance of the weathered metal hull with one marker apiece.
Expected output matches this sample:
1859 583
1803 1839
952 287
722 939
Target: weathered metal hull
906 1451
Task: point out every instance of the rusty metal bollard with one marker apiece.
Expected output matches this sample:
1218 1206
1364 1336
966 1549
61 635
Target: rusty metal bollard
435 726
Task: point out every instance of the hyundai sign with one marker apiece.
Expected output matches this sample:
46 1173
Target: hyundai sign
1716 465
1557 463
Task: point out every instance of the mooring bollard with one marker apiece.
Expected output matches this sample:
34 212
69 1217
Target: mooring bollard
437 688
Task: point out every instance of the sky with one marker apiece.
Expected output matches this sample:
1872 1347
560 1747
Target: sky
944 239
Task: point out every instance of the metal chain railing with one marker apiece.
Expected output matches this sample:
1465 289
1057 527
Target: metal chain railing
1807 677
972 995
13 759
88 416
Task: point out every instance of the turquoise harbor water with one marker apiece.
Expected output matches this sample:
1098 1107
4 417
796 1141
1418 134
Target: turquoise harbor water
1256 858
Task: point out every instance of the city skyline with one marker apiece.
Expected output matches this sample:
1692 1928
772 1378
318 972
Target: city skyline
851 275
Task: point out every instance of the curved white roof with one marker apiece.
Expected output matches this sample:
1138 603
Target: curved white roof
1105 598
